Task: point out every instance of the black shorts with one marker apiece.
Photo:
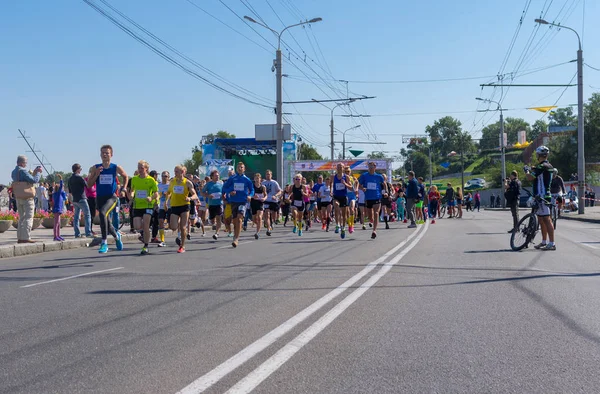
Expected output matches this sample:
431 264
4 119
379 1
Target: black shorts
272 206
255 206
214 211
324 204
139 213
342 200
162 214
300 205
239 207
371 203
361 204
386 202
179 210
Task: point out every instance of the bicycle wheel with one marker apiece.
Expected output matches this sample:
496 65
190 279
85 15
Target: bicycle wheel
525 232
442 211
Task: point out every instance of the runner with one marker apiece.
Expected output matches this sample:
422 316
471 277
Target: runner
202 206
298 206
163 209
286 204
361 207
340 199
317 186
325 204
257 204
351 193
144 191
227 214
105 179
181 192
272 202
372 183
213 190
387 195
240 190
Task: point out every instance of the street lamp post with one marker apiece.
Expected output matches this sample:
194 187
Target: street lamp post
331 131
278 109
344 141
502 148
580 129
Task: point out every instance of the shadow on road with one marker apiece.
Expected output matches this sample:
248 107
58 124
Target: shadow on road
489 251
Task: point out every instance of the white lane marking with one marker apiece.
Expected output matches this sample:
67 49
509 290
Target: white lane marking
589 245
209 379
229 246
252 380
71 277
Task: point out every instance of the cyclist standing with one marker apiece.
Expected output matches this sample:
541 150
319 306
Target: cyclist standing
541 175
557 190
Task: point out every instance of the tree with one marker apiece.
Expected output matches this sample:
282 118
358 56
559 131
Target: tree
444 134
308 152
563 154
377 155
192 164
563 117
538 128
490 135
210 138
592 128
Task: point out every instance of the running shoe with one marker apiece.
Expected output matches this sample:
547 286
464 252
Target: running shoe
57 239
387 226
300 232
370 224
413 225
373 235
234 243
188 236
294 230
364 226
540 245
244 228
161 245
230 235
256 236
337 229
155 241
343 233
103 248
178 241
327 229
433 222
549 247
203 235
268 233
323 227
181 249
351 229
118 241
215 236
144 251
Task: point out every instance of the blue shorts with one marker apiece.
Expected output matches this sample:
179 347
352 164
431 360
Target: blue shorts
451 203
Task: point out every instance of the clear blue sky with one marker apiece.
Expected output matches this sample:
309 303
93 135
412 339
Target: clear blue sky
74 81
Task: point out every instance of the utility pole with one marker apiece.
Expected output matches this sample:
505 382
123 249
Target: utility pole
278 104
501 139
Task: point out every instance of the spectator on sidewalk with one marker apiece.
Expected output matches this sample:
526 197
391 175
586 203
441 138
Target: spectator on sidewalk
58 205
77 186
90 193
12 202
412 196
493 200
42 197
23 188
477 201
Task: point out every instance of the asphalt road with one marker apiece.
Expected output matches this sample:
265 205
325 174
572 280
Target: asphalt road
445 308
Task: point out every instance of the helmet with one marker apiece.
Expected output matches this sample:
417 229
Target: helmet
542 150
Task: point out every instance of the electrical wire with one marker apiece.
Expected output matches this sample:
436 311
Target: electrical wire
169 58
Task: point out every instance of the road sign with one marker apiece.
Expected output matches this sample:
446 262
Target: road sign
356 153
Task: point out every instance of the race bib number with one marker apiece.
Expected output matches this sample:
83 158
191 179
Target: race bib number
149 211
259 195
178 189
340 186
163 188
298 203
238 187
141 193
215 196
371 186
202 204
106 179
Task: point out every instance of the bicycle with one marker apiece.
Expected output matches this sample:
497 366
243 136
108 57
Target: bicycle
443 208
528 226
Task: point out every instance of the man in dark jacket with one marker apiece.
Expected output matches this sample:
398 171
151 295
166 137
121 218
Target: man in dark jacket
512 192
412 196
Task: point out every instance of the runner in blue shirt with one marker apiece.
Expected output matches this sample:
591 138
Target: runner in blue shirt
341 183
239 189
213 191
371 182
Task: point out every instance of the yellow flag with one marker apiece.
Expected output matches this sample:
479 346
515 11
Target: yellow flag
543 109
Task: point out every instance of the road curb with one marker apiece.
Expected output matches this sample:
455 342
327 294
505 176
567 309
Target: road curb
17 250
578 219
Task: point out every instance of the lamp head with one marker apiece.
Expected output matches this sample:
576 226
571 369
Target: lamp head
315 20
542 21
249 19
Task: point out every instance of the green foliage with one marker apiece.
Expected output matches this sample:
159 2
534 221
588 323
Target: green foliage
192 164
377 155
562 117
210 138
490 135
538 128
592 128
308 152
563 153
493 175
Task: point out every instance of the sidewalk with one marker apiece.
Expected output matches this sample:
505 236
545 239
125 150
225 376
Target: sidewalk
45 242
591 215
